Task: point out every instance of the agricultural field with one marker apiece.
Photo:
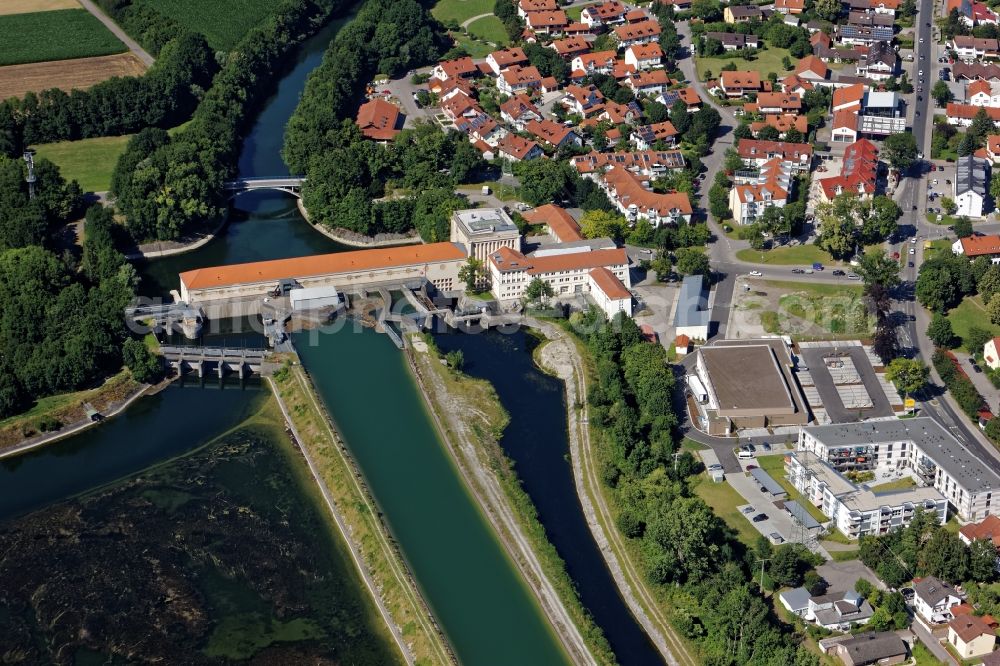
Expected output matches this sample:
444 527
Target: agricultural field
90 162
16 80
58 35
32 6
223 22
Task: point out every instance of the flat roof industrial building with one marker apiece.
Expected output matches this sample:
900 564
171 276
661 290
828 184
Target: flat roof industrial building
750 384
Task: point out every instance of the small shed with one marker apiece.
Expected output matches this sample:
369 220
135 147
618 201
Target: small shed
801 514
314 298
767 484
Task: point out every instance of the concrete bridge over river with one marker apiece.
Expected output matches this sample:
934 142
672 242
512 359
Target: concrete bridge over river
287 184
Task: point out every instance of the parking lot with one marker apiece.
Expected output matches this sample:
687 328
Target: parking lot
944 174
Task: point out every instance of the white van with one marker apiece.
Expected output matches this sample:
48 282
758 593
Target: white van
745 455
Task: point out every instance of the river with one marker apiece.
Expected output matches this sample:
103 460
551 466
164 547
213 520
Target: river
483 605
537 442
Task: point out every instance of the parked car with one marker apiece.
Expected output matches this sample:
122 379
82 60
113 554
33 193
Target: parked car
838 273
765 446
759 518
975 367
817 266
853 276
909 264
798 271
714 467
748 510
756 274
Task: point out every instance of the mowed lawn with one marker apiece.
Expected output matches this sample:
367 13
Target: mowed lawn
460 10
489 28
724 499
59 35
793 255
766 61
970 312
223 22
774 464
90 162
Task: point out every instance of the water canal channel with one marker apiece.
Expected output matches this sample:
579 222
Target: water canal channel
473 588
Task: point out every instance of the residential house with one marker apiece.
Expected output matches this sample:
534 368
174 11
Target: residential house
790 6
631 34
501 60
848 98
971 186
379 120
970 49
460 106
962 114
743 14
553 133
584 102
620 114
972 13
638 16
547 23
645 136
514 148
783 123
933 599
601 62
978 246
689 95
880 63
768 103
991 354
571 47
649 163
482 128
883 648
524 7
627 191
755 153
734 41
610 12
648 83
518 111
644 56
457 68
517 79
859 174
796 601
739 83
750 196
971 636
795 84
839 611
993 147
577 29
989 527
983 93
812 69
963 71
865 29
559 224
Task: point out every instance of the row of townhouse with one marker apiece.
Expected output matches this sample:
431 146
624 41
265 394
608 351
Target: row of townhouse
545 18
631 195
754 191
858 175
970 49
648 163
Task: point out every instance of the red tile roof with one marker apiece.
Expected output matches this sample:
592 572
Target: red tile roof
627 33
560 222
516 146
609 283
976 246
507 57
378 120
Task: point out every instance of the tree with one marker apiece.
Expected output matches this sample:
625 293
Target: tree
983 561
982 126
471 273
718 202
963 227
907 374
940 331
455 359
538 290
880 220
815 584
543 181
602 224
976 338
966 146
941 93
993 309
863 587
900 150
878 268
948 205
143 364
837 221
944 556
692 261
768 133
827 9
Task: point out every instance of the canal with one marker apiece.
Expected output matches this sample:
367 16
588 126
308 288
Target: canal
484 606
536 440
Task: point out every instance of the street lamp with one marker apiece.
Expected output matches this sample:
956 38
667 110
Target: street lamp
29 158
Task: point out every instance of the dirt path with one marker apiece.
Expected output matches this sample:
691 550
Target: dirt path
561 357
132 45
457 434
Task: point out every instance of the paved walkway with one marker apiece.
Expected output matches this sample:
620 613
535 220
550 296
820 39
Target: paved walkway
932 643
133 45
473 19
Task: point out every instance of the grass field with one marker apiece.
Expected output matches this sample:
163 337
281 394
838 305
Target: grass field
801 255
766 61
923 657
775 466
489 28
81 73
60 35
460 10
223 22
724 499
816 288
904 483
31 6
970 312
89 161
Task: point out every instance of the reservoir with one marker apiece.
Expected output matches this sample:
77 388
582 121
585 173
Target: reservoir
536 440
